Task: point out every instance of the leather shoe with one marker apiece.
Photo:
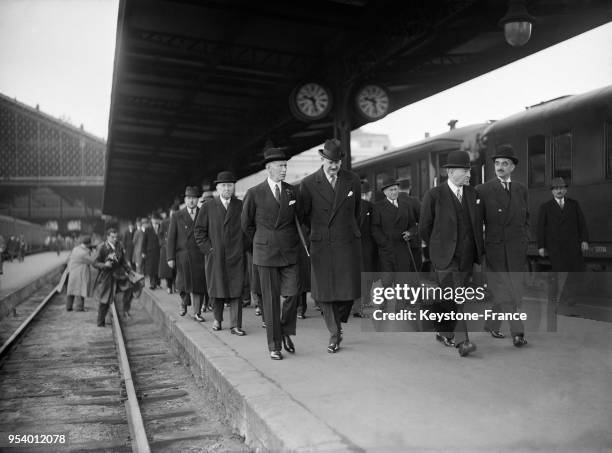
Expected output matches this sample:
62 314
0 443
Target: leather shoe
357 315
495 333
276 355
333 348
519 341
199 317
300 316
448 342
237 331
216 326
183 311
288 344
258 311
263 324
465 347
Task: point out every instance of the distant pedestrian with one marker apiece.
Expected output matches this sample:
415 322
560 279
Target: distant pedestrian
150 250
369 253
128 243
166 272
79 277
137 254
22 250
2 251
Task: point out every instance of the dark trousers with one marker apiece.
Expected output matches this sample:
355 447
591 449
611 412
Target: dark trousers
453 276
186 299
507 288
80 302
169 283
333 314
235 310
102 311
301 303
280 321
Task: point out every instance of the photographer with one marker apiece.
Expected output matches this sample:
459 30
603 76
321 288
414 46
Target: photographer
113 276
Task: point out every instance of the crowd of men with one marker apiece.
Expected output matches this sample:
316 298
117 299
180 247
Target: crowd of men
283 241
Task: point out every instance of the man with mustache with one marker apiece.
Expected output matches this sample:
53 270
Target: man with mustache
505 212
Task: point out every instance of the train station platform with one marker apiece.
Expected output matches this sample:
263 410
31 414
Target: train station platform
403 391
17 276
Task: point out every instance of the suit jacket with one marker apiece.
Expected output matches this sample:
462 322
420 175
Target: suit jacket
219 236
270 227
128 243
113 279
164 269
368 247
438 226
182 248
335 239
150 247
137 250
560 232
506 220
388 224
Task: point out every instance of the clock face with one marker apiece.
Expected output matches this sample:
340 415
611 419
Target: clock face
311 101
372 102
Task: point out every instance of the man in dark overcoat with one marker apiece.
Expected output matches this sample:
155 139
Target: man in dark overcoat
218 233
331 200
269 219
369 253
505 212
137 250
150 250
128 243
183 252
451 228
112 278
165 272
563 236
405 187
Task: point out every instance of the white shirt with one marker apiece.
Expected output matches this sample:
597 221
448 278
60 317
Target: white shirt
560 202
225 202
454 188
503 183
393 202
272 184
329 178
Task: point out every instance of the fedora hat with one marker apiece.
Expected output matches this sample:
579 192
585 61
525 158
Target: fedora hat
505 152
332 149
558 182
457 159
86 240
273 154
192 191
224 176
388 182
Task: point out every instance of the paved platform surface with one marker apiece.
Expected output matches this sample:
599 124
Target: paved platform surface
17 275
405 392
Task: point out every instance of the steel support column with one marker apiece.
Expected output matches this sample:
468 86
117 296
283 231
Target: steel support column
343 121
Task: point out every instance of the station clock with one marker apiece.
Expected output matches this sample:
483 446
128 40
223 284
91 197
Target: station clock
310 101
372 102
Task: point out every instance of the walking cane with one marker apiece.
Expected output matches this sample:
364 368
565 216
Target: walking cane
301 234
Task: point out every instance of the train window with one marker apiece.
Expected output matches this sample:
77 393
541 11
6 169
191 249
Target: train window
536 152
562 156
608 148
379 179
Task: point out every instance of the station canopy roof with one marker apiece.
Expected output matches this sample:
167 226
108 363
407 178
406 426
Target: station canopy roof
202 86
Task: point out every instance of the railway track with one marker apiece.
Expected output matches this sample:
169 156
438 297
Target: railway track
68 385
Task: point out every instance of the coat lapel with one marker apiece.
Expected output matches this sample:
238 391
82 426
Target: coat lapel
323 186
447 200
343 186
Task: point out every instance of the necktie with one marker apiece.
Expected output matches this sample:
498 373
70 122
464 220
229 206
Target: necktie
225 204
192 214
459 197
395 203
561 203
332 181
506 186
277 193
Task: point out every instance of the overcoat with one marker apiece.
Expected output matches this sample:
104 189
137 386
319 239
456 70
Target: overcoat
79 275
438 224
369 251
150 247
219 236
335 239
137 253
128 243
109 281
271 227
388 224
506 219
164 270
560 232
182 248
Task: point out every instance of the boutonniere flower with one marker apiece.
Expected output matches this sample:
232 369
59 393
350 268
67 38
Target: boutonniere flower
350 194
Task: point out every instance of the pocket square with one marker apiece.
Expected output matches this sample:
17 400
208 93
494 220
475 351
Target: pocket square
350 194
291 202
477 200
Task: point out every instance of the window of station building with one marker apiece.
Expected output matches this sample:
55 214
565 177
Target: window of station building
562 156
536 155
608 148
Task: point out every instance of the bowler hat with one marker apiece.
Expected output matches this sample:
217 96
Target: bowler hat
457 159
388 182
224 176
192 191
332 149
558 182
505 152
86 240
273 154
365 186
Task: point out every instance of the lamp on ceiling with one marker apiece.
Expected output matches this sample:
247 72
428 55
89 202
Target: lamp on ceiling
517 23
